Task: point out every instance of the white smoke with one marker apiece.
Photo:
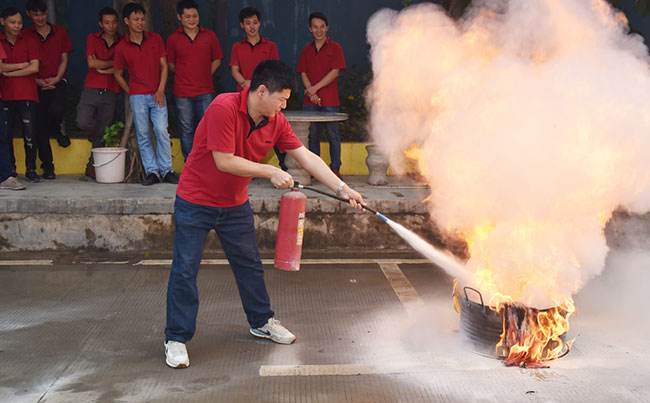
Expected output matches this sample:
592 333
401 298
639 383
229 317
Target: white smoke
531 117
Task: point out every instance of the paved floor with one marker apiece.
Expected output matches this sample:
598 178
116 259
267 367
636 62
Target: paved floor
82 328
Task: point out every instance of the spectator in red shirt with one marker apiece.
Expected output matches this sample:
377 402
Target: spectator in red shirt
319 66
143 55
249 52
96 109
194 54
18 87
252 50
54 46
7 178
237 131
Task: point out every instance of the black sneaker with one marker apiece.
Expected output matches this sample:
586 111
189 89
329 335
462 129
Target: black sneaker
32 176
171 177
63 140
151 179
49 175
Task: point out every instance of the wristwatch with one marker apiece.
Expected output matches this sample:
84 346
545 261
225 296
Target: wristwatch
339 188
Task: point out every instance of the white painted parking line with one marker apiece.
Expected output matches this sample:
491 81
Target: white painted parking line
316 370
219 262
340 369
402 286
35 262
108 262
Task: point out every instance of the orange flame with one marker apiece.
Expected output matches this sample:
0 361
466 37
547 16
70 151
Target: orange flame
536 337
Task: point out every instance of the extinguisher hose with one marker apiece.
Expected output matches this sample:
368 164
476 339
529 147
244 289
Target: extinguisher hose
333 196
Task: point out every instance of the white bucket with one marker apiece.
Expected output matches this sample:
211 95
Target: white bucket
109 164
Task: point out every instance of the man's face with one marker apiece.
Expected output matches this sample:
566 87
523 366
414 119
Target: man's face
190 18
135 22
251 25
13 24
108 24
39 18
272 102
318 28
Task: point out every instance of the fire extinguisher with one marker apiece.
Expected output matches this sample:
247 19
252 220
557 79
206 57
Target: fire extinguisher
288 244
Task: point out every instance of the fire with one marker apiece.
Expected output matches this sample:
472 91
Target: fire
531 336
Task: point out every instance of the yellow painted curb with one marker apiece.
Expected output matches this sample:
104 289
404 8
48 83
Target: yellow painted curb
72 160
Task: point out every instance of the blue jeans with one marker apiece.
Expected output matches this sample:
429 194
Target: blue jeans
236 231
6 146
189 112
158 162
315 130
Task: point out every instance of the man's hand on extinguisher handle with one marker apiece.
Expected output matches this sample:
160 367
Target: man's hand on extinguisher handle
281 179
354 197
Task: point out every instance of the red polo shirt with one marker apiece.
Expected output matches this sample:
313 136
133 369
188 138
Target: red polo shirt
226 127
97 46
51 47
248 56
317 63
142 61
19 88
3 56
192 61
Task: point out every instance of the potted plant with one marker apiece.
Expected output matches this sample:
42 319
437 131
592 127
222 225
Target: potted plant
109 161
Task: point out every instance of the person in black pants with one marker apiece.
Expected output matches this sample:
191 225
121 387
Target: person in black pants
18 87
54 46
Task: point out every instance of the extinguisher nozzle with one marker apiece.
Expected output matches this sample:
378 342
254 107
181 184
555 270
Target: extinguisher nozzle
381 217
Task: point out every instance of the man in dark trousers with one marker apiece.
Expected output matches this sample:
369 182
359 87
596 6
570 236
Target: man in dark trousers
194 54
18 87
7 179
54 47
96 109
237 131
319 66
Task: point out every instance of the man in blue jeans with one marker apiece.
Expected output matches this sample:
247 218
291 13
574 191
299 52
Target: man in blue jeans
194 54
319 65
143 55
237 131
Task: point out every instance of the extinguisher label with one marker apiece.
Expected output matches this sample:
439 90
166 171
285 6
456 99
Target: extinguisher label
301 228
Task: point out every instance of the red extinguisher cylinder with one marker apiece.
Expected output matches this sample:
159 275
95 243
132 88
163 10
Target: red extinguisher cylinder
288 243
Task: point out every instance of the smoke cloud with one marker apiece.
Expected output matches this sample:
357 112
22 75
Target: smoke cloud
529 121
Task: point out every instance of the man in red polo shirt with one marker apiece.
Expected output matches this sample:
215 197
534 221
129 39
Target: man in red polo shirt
194 54
252 50
18 87
7 179
237 131
96 109
249 52
319 66
143 55
54 46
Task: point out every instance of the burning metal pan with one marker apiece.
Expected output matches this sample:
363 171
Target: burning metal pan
482 326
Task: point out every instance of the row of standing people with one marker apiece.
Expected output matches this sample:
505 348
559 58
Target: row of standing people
33 82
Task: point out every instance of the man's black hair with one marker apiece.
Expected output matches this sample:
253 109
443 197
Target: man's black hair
274 75
107 11
186 5
248 12
36 5
9 12
131 8
319 15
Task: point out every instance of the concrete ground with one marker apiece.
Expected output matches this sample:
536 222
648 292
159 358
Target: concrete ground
88 327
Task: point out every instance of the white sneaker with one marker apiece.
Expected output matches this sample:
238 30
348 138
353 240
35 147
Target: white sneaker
275 331
176 355
12 183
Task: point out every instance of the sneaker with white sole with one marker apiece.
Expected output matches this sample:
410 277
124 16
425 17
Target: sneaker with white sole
12 183
275 331
176 355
